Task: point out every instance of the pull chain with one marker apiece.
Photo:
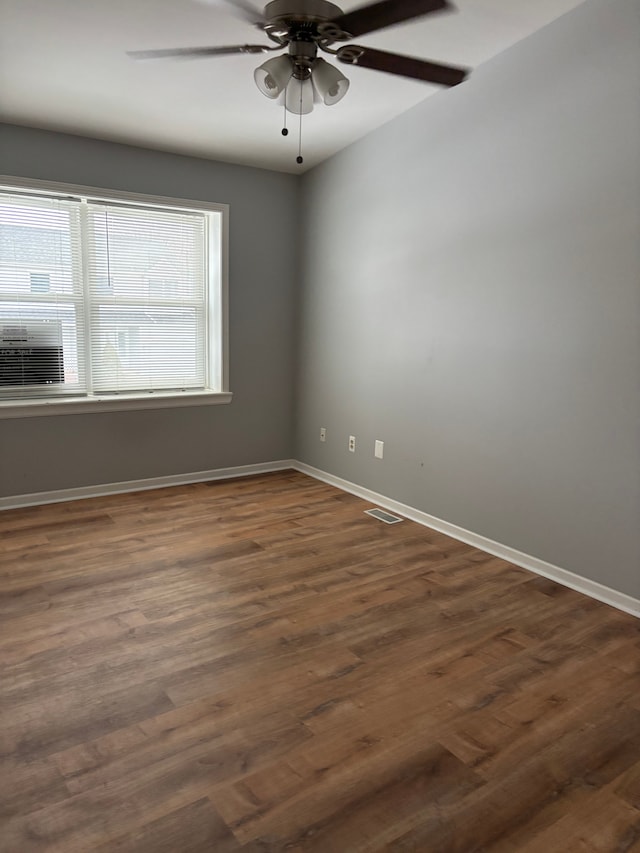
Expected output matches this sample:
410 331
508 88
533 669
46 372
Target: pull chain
285 132
300 158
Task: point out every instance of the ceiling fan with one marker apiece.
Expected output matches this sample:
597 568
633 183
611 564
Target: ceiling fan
302 27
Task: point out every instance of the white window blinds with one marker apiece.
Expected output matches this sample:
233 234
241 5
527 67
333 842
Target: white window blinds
41 296
101 297
147 313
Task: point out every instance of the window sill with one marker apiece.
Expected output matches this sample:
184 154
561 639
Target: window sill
119 403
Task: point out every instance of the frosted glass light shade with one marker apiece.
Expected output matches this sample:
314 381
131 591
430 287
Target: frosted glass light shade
299 96
273 75
330 83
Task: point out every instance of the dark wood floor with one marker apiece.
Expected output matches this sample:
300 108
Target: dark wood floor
257 665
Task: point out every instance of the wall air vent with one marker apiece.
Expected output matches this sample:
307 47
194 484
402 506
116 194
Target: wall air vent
383 515
31 353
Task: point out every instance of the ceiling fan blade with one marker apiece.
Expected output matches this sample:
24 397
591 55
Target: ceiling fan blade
405 66
385 14
195 52
240 9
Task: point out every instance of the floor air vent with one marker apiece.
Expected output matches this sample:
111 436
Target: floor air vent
383 515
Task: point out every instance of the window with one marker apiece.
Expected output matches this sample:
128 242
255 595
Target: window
107 301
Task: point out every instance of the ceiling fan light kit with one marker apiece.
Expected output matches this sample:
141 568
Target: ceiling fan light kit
303 27
281 73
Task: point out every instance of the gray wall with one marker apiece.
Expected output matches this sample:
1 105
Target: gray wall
472 297
57 452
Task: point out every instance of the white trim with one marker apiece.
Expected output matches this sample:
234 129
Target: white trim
593 589
9 182
74 494
223 297
82 405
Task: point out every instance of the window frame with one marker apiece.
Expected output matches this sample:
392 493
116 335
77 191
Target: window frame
218 315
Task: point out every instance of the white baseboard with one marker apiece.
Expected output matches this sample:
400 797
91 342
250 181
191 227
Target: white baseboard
588 587
59 495
562 576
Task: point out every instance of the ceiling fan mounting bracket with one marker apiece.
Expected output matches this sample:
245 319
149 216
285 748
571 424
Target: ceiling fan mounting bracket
312 11
288 21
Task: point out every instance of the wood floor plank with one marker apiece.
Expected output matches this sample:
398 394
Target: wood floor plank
256 665
195 828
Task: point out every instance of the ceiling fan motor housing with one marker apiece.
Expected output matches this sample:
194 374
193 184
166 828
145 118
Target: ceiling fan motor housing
317 11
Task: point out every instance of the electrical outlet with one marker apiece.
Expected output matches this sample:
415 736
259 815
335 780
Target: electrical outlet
352 443
379 449
323 434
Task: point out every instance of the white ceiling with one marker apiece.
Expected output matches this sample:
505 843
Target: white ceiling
63 66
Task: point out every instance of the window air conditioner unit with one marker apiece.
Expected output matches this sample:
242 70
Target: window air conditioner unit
31 353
